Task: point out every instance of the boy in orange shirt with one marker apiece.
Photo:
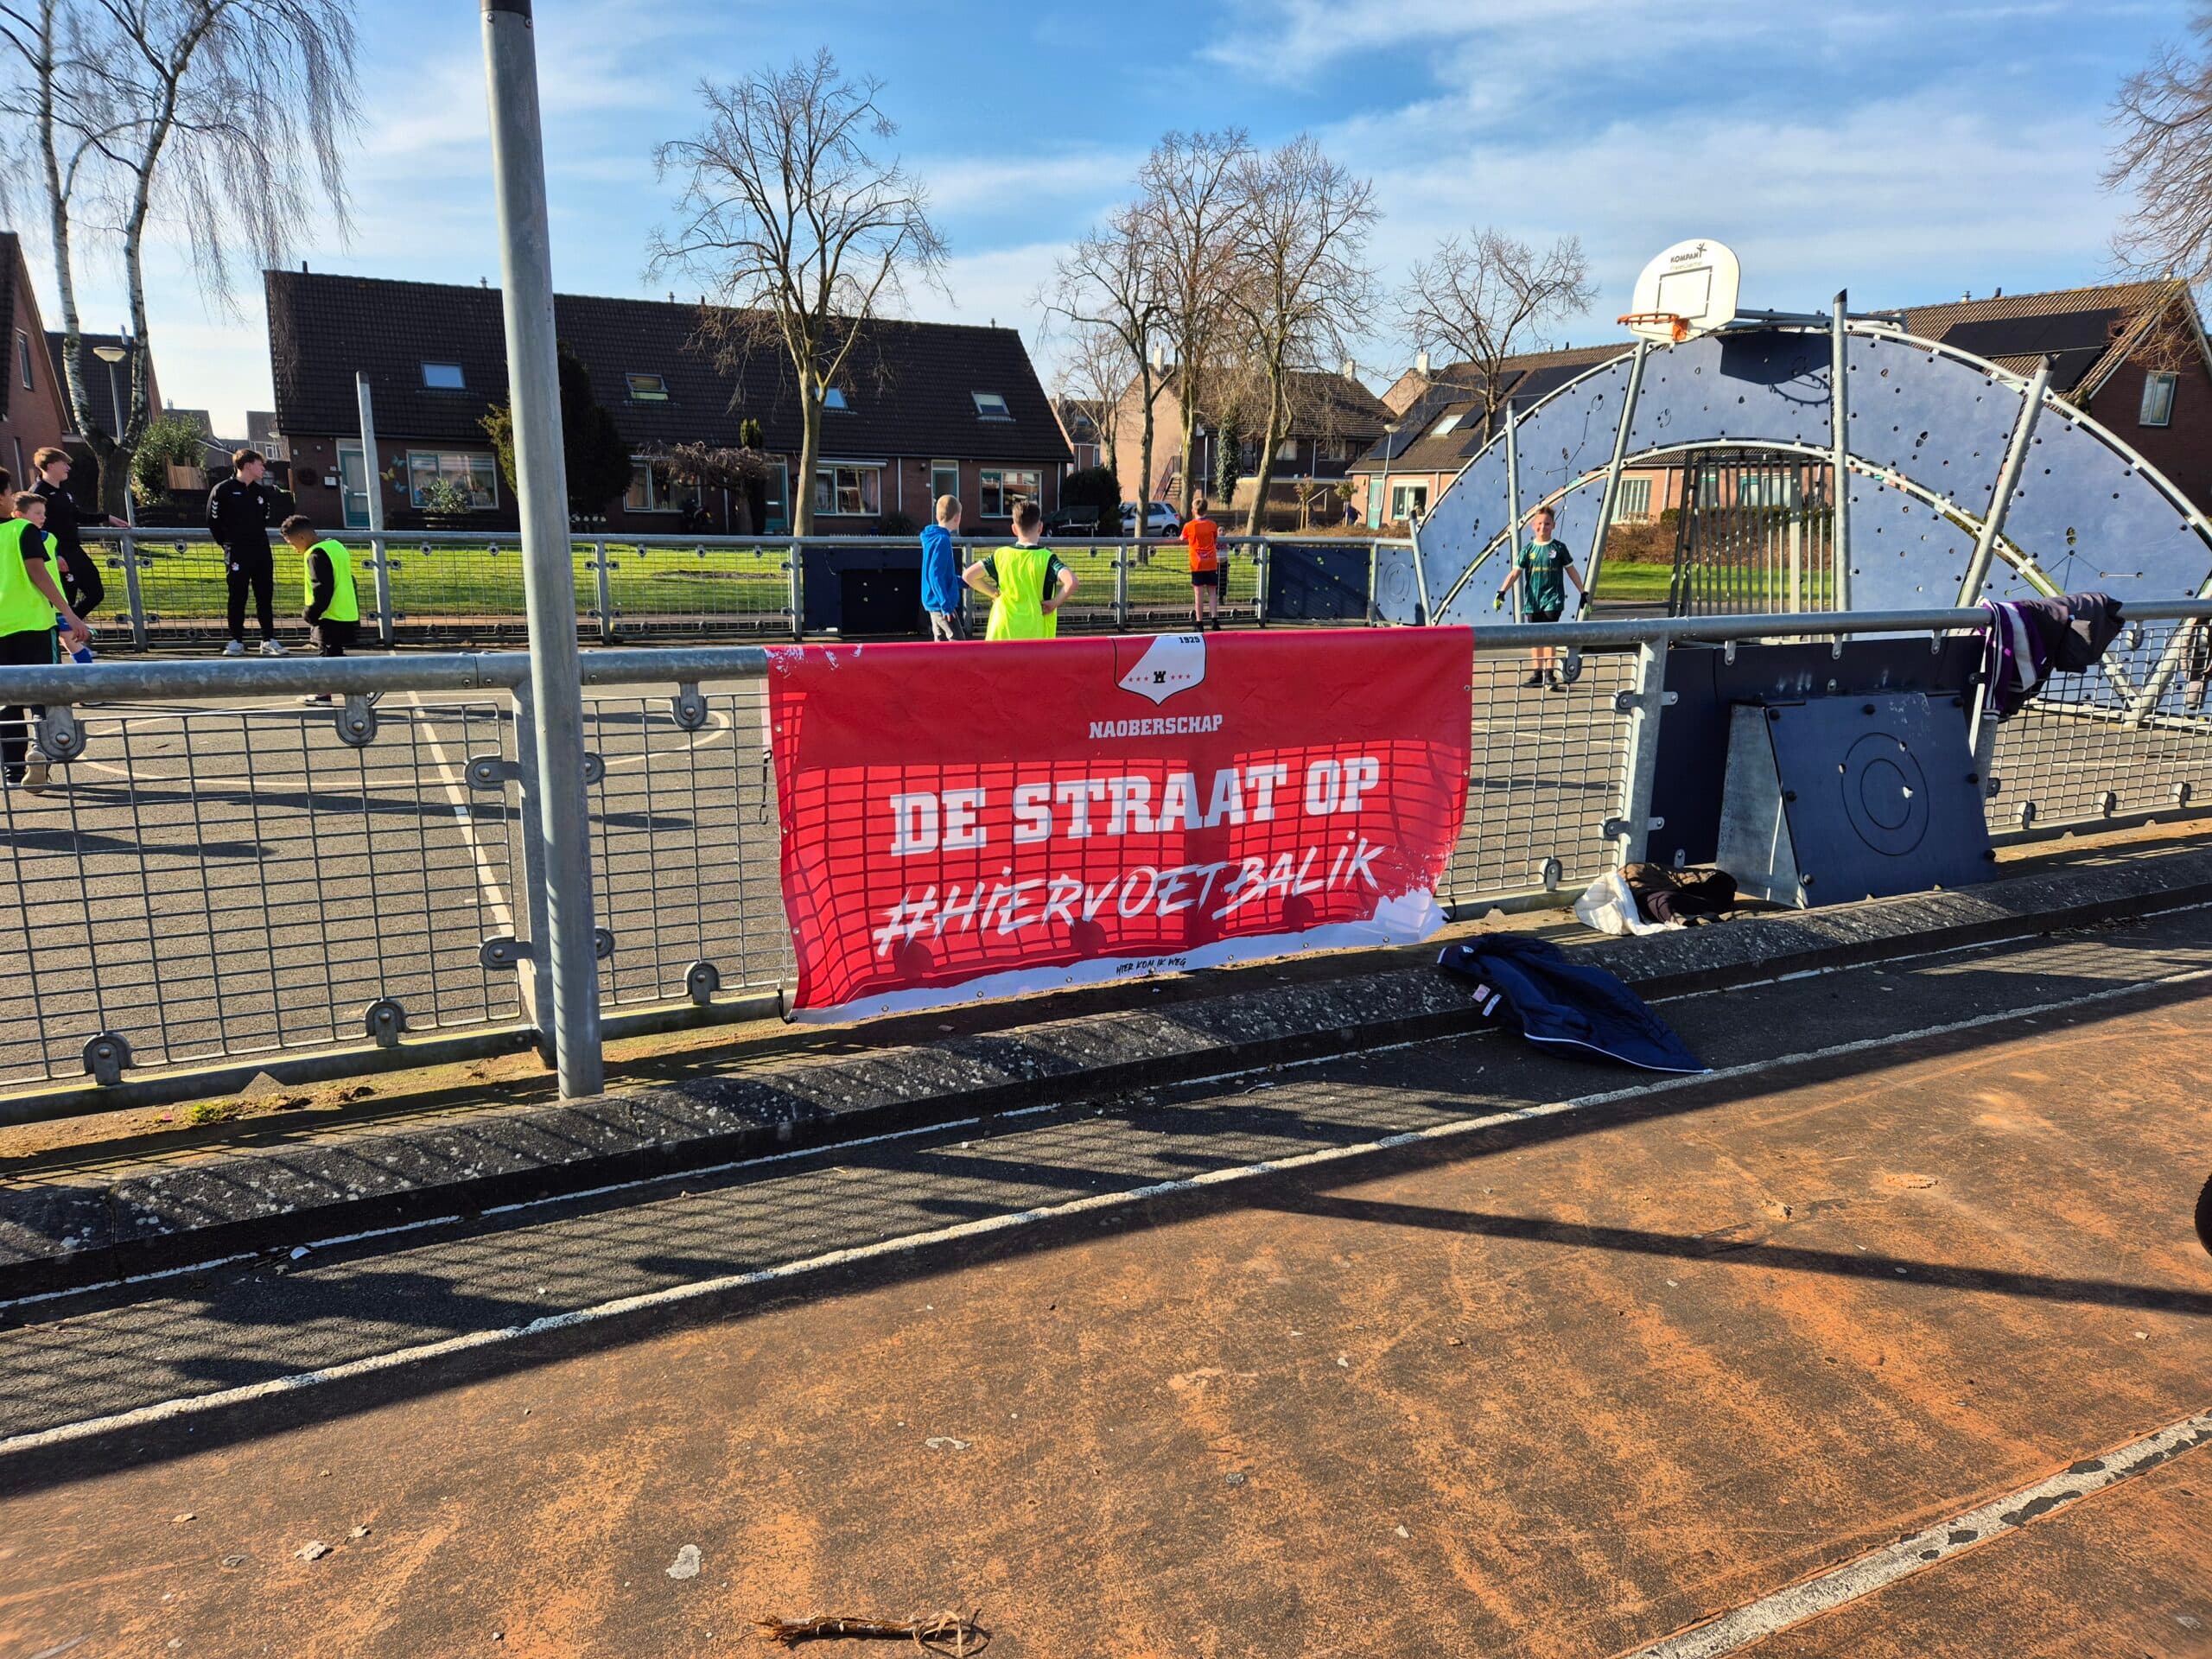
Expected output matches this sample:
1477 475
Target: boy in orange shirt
1201 534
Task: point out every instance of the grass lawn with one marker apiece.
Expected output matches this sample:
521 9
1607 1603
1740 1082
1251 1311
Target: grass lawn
185 580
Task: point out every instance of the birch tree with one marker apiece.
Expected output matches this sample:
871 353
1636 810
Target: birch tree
801 228
2162 153
1301 284
225 120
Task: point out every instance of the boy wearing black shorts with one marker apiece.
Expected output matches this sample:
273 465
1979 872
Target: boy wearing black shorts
1542 567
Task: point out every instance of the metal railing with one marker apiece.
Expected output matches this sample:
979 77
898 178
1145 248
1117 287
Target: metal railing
168 589
218 873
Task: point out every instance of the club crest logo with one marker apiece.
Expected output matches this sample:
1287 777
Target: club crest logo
1174 661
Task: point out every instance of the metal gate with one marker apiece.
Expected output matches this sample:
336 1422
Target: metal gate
1755 535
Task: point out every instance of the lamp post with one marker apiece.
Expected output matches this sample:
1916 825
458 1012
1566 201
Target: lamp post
1390 430
113 355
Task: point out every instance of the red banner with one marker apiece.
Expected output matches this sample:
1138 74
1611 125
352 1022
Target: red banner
963 821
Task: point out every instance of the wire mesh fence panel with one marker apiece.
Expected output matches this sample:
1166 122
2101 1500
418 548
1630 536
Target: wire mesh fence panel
2088 747
447 594
686 846
668 590
1547 773
184 586
229 882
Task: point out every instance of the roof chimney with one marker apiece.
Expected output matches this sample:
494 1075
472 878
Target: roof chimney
1421 361
1158 357
1352 370
1966 295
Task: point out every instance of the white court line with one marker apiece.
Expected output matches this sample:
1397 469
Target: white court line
1757 1620
486 876
675 1295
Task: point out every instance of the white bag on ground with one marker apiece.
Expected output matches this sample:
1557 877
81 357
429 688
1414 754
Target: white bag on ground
1610 907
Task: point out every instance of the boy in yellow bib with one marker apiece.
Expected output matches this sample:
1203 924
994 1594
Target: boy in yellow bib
1026 583
330 603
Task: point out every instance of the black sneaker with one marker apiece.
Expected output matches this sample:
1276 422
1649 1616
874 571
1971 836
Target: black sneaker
1532 683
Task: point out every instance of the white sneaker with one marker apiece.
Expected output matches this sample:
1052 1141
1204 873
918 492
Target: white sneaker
36 776
271 648
235 648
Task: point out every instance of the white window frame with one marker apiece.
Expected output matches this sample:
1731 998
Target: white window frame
996 493
865 483
1403 507
23 359
472 474
2157 381
460 376
1447 423
991 406
1633 505
631 377
659 491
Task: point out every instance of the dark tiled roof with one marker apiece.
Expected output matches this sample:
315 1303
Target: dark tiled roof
908 383
97 383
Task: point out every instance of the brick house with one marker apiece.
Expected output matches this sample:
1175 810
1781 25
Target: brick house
925 409
32 410
2131 355
1336 420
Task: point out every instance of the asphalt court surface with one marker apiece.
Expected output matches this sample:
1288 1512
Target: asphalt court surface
1567 1383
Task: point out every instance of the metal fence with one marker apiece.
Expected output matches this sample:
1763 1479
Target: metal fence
219 872
169 589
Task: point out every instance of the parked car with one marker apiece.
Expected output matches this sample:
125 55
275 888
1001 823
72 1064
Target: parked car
1074 521
1160 520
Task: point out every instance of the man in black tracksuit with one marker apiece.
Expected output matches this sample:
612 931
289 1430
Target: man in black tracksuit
80 571
239 512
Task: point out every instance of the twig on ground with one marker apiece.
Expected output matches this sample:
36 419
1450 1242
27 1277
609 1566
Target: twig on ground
947 1632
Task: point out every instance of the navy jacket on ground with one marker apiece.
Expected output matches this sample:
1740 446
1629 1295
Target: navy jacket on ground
1565 1003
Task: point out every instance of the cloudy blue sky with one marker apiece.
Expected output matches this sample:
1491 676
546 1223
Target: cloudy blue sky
1908 151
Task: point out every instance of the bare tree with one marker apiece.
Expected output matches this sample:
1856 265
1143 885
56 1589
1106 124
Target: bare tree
1481 298
803 232
1191 210
2163 153
1106 286
226 118
1095 371
1301 284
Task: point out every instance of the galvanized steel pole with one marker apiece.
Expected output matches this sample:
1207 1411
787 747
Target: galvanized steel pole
1607 502
2008 480
373 482
563 826
1839 445
1512 499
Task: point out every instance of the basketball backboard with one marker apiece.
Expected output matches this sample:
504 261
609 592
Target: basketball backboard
1689 290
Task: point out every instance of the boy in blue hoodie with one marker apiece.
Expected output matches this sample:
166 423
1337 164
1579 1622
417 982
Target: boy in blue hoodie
942 592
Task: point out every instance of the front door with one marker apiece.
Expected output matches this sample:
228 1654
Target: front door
354 486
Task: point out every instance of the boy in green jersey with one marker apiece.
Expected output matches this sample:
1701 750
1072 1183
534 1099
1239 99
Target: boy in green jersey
1542 567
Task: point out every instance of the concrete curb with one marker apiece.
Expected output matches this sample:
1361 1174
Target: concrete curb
56 1236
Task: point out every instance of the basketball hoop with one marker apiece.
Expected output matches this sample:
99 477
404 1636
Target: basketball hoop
1653 324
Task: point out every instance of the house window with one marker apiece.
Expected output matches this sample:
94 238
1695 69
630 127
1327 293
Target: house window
647 388
477 477
1633 504
945 480
834 398
1337 449
1003 488
23 356
1406 500
444 377
1286 450
848 491
1766 489
2158 400
1448 424
991 406
649 489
